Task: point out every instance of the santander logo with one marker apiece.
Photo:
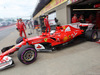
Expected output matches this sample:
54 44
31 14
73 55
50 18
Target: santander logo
38 46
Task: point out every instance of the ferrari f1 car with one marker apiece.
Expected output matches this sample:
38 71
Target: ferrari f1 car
27 48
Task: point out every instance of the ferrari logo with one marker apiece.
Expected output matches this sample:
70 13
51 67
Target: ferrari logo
45 39
65 38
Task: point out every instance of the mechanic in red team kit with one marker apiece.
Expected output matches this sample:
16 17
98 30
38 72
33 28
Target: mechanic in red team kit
81 19
46 23
21 27
74 19
17 24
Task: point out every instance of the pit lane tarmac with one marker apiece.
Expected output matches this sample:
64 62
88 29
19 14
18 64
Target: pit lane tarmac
5 31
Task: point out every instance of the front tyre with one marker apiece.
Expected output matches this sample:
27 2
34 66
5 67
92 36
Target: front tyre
20 39
27 54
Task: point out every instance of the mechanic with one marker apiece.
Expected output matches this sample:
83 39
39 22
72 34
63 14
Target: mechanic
46 23
17 24
81 19
74 19
37 29
30 25
22 27
90 19
58 27
57 22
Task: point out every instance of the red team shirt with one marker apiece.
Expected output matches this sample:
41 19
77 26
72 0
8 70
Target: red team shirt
46 22
74 19
21 25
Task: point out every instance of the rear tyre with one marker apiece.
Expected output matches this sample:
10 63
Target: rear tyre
91 35
27 54
20 39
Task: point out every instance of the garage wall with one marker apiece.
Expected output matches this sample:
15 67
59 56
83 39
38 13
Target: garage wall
68 8
61 13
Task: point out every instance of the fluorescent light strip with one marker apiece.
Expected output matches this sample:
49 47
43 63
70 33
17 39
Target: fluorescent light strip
84 9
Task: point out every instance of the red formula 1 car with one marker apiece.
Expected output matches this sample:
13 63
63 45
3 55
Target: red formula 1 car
27 48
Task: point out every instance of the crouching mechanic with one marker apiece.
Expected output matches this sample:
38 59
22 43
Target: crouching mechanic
46 23
22 28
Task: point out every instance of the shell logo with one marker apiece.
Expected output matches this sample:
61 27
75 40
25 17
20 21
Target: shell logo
65 38
69 37
64 27
45 39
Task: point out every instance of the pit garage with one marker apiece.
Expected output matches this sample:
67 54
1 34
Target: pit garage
89 9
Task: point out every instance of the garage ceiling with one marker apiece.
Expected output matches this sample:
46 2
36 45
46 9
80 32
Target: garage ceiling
40 6
89 2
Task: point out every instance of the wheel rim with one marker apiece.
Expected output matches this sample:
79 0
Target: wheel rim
29 55
94 36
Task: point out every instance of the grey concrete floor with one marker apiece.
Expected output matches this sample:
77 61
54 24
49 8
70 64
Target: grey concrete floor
6 31
79 58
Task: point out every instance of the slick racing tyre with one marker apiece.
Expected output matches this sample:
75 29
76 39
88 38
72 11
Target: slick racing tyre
27 54
20 39
91 35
